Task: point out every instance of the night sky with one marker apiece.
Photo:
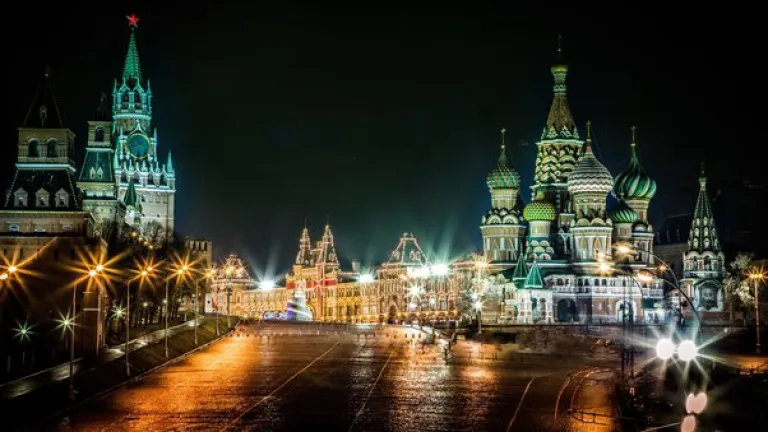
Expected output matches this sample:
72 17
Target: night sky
386 120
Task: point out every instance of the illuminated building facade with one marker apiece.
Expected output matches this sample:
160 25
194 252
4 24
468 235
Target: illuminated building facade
581 251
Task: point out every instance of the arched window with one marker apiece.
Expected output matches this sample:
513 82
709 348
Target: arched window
99 134
33 148
53 148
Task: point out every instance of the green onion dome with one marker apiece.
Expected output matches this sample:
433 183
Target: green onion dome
623 213
503 175
634 183
539 209
589 175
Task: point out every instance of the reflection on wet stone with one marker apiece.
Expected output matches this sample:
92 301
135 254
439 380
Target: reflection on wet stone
287 376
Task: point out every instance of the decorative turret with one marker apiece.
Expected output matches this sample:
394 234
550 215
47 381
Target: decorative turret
304 256
634 185
540 214
132 67
623 214
502 228
704 261
327 260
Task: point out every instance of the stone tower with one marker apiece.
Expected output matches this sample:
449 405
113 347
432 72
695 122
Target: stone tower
137 150
97 179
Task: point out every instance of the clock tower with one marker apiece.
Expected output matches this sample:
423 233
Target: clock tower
137 158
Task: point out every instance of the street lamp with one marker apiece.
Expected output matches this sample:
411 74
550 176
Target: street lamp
143 274
71 323
756 278
687 351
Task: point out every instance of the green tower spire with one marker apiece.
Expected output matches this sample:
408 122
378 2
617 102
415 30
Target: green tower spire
521 271
534 279
132 68
131 199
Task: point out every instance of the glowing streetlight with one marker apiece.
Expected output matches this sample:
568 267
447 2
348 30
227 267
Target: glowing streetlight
687 351
605 267
4 276
756 278
623 249
267 285
366 278
92 273
665 349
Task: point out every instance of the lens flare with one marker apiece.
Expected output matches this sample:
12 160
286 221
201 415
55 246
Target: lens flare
665 349
687 351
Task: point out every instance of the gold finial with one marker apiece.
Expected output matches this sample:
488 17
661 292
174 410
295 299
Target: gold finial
634 135
503 138
559 47
702 169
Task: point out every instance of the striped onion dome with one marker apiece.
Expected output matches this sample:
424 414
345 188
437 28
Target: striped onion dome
540 209
623 213
589 175
503 175
634 183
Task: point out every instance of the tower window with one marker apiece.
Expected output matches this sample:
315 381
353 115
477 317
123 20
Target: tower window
99 134
33 148
14 228
53 148
21 197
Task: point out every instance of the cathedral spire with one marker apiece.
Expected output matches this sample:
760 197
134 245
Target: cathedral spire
560 124
132 68
703 236
304 256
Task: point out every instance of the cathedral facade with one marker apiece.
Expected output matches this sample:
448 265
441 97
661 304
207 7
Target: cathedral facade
580 251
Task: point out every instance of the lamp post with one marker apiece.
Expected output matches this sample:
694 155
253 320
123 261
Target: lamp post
167 309
143 274
10 271
92 273
756 278
208 274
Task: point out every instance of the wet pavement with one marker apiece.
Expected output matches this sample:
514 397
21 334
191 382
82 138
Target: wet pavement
283 376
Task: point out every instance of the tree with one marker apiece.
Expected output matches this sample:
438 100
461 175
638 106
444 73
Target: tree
736 283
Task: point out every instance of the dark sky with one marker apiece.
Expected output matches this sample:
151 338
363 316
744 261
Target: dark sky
386 120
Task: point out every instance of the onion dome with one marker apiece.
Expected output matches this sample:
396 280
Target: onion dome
634 183
540 209
589 175
503 175
623 213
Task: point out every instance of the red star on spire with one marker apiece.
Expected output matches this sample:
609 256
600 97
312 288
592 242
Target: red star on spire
133 20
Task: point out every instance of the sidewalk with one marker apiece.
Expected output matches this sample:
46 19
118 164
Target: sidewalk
24 385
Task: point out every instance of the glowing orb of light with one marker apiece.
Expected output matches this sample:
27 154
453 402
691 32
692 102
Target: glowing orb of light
695 404
687 351
665 349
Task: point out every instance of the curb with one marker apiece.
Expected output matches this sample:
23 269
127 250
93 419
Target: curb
138 377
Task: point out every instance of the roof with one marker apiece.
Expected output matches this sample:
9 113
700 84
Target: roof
703 234
97 158
408 252
534 279
560 124
51 181
44 110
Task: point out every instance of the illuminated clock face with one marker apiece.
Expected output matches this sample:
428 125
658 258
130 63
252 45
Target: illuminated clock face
138 145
